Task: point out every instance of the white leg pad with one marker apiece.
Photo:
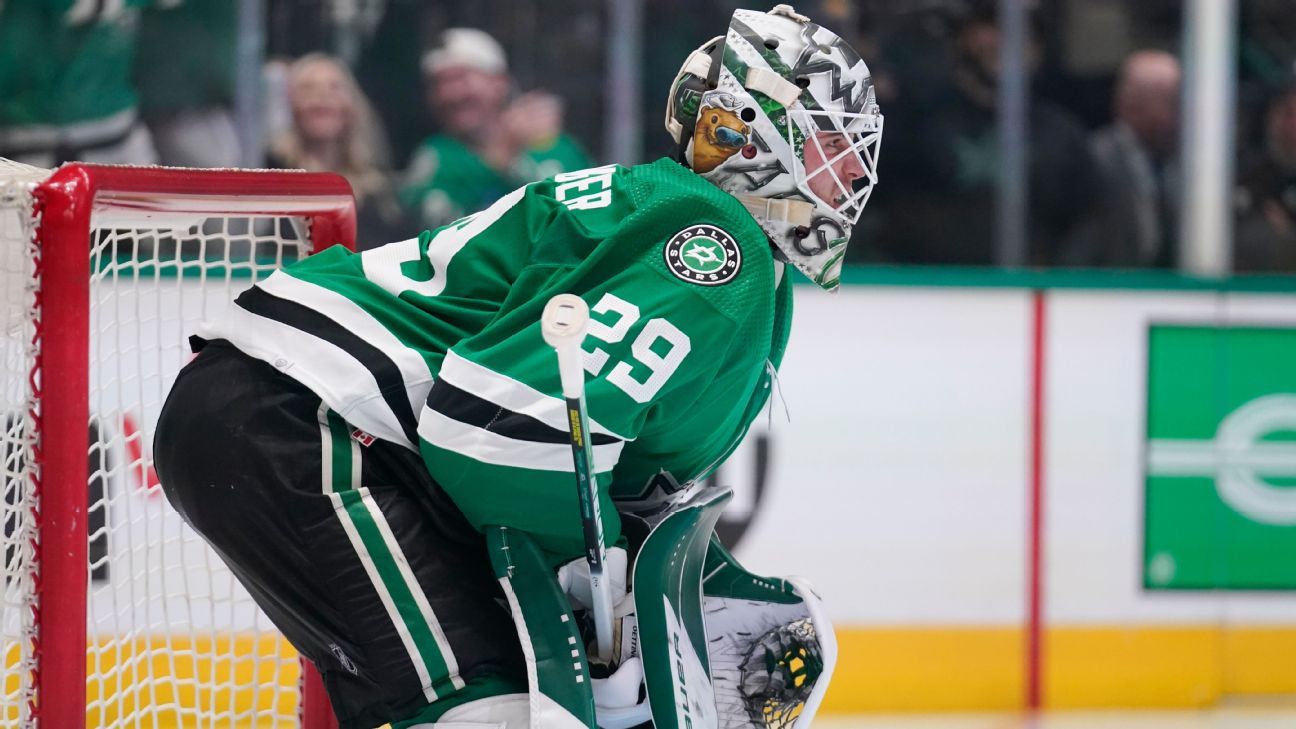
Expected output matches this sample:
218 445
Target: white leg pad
510 711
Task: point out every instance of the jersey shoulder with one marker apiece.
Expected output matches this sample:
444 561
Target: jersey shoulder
658 228
705 241
647 197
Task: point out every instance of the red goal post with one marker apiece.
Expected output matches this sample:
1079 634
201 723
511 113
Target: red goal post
101 259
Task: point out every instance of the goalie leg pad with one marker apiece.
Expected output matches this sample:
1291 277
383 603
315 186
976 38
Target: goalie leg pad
668 607
558 676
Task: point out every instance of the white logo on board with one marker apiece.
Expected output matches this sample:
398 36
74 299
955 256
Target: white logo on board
1239 458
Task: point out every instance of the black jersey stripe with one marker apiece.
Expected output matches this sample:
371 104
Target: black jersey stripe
470 409
386 373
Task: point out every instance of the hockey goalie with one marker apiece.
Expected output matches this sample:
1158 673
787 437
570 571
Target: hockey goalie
378 445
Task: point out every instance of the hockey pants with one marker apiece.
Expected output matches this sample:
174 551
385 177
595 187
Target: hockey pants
352 550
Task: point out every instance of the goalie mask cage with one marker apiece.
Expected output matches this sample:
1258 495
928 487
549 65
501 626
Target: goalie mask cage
114 612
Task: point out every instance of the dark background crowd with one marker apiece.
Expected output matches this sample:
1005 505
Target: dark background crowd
433 110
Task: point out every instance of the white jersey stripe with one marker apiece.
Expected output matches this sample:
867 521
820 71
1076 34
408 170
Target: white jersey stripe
511 394
445 244
413 368
349 384
490 447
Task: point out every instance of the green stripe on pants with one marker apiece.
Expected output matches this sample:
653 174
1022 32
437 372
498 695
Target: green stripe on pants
359 507
342 456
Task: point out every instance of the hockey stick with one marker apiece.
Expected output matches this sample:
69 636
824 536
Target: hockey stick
563 325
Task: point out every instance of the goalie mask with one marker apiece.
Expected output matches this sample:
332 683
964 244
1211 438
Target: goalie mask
781 114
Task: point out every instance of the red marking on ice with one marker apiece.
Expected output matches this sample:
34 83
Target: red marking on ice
142 473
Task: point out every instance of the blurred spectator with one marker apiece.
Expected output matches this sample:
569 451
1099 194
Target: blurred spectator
334 130
488 146
185 70
940 195
65 83
1137 223
1265 236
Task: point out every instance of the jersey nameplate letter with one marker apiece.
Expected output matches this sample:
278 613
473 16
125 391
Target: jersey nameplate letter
585 189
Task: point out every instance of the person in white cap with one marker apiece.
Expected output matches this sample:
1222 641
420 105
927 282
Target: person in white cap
487 145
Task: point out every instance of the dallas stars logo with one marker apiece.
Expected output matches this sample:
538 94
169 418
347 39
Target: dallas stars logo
704 257
703 254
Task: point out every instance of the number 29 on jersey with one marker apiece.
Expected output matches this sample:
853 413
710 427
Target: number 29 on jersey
657 350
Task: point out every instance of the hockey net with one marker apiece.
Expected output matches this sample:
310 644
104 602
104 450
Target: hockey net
113 612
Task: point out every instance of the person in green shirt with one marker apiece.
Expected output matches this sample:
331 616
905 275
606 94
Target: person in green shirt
65 83
357 427
489 145
185 70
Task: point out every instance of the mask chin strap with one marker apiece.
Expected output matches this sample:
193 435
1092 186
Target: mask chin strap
778 211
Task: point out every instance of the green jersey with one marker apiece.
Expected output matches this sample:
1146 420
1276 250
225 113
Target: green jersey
447 180
186 56
66 62
434 342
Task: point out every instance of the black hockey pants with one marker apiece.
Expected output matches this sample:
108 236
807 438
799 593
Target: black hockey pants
345 542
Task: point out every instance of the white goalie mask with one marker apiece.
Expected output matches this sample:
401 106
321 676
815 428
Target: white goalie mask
781 114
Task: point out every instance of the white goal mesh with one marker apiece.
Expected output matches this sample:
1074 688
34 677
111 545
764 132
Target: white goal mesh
171 638
17 438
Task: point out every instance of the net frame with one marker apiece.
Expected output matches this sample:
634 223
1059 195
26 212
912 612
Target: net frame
66 208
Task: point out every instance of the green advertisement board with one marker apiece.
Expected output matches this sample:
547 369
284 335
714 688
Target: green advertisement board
1220 459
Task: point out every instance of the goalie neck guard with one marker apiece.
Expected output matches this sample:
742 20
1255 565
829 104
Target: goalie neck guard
781 114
